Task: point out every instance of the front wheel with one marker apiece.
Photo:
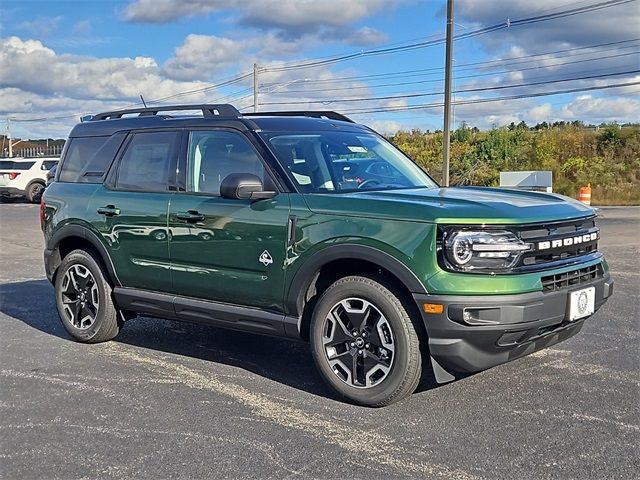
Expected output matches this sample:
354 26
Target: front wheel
364 342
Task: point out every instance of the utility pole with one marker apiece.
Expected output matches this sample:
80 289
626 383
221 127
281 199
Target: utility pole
255 87
9 137
446 138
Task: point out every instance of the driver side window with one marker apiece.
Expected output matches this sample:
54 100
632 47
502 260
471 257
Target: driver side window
213 155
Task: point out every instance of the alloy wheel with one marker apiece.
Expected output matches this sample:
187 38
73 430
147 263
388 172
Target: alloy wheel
80 297
359 343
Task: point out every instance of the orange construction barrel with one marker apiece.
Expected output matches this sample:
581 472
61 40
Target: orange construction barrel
585 195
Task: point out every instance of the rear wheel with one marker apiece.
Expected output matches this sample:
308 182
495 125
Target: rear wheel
364 342
84 300
35 191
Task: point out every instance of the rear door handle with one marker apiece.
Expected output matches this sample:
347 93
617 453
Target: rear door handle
109 211
190 216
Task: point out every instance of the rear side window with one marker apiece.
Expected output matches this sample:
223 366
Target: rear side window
146 163
87 159
10 165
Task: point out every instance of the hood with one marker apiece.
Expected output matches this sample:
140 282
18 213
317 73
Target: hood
465 205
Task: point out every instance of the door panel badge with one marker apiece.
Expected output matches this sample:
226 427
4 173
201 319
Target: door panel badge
265 258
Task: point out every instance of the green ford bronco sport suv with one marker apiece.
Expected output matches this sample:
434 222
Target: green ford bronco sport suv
309 226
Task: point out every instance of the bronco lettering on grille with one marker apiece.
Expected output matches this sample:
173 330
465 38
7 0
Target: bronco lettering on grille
568 241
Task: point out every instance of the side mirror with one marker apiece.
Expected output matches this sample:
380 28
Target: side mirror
244 186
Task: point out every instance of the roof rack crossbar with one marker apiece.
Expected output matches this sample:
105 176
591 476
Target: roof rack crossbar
208 110
304 113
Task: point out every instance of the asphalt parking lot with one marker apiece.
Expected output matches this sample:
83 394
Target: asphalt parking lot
174 400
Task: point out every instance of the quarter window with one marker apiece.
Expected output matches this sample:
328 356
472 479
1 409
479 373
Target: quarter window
87 159
147 162
48 164
215 154
79 152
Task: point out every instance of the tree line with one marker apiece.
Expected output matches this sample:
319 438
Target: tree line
607 157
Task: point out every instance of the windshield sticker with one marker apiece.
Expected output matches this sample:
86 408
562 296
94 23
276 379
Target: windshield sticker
356 149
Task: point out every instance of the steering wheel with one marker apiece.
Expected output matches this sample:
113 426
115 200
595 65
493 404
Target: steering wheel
369 182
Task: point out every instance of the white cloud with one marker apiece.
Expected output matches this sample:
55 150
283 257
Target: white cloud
265 13
201 57
41 26
599 110
296 14
396 103
82 28
163 11
35 82
608 24
31 66
76 85
317 21
365 36
275 87
588 108
386 127
540 113
571 36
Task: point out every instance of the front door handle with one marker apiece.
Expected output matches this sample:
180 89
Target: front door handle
109 211
190 216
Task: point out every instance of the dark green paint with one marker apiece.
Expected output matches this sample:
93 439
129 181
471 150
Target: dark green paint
218 259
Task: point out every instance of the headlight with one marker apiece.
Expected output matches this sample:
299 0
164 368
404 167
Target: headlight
473 250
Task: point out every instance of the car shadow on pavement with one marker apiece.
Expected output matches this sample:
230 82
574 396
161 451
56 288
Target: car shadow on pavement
284 361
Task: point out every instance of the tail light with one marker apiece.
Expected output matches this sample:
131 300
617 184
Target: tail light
13 175
42 213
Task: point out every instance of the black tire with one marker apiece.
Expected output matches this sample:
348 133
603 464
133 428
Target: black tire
106 321
35 191
402 375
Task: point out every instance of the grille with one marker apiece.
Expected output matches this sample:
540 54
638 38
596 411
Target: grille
561 281
558 242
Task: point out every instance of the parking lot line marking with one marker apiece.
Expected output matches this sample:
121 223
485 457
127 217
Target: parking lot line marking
58 381
268 451
376 448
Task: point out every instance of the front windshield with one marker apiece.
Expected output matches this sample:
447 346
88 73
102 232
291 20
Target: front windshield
324 162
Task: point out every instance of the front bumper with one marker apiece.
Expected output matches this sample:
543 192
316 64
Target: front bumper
474 333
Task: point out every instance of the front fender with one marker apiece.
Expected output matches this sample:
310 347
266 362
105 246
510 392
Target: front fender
349 250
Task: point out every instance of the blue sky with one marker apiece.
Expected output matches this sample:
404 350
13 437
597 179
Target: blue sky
60 59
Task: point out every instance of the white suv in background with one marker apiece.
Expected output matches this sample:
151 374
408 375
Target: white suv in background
24 177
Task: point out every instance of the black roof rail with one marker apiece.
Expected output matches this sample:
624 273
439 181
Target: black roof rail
208 110
303 113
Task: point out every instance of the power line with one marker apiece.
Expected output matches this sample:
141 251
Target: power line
416 95
419 82
508 61
224 83
382 51
421 106
466 35
488 100
412 116
468 90
230 81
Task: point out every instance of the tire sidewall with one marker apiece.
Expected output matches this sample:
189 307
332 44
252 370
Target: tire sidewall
385 303
34 197
87 261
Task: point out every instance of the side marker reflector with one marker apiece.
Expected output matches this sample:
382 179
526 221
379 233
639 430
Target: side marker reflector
433 308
